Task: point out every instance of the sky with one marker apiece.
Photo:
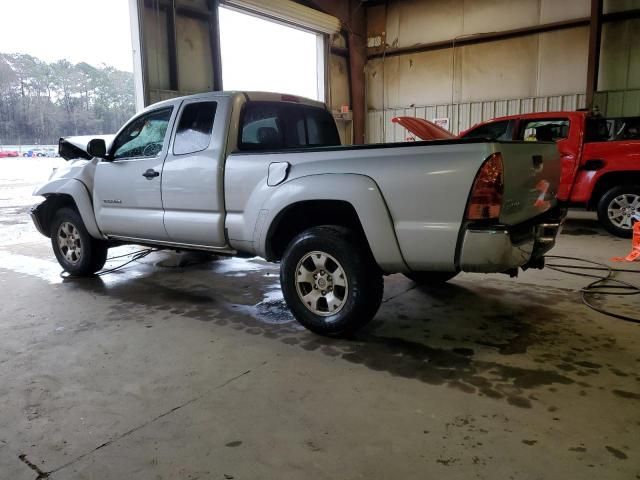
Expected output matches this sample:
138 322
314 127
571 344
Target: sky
92 31
256 54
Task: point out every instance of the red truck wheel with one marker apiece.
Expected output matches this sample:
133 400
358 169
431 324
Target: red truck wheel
617 207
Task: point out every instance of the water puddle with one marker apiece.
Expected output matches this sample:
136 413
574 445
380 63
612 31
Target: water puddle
240 266
272 310
44 269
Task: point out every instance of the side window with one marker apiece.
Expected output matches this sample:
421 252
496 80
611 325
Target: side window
491 131
599 130
272 126
612 129
544 130
194 129
261 127
627 128
144 136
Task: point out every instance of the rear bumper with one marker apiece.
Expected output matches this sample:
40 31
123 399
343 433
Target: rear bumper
499 249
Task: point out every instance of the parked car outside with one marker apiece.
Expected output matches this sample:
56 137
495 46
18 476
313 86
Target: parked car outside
8 153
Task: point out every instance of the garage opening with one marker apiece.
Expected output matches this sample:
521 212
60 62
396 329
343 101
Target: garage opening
261 54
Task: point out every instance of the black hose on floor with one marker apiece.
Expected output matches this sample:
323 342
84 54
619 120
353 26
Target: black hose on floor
138 255
604 284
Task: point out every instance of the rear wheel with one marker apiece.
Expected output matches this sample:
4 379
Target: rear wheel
330 281
77 252
617 207
430 278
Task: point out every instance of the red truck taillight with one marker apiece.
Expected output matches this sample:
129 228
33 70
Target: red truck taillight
485 200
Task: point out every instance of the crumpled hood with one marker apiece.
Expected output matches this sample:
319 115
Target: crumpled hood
76 169
72 148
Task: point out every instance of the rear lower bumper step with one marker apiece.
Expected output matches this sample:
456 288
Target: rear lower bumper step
501 248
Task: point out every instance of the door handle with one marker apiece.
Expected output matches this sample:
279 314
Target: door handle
537 162
151 173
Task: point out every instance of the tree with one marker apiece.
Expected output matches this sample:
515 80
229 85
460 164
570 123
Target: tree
40 102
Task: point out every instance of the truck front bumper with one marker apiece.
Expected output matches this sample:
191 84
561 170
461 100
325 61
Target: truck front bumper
500 249
35 213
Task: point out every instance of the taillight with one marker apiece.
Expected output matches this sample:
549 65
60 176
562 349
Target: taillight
485 201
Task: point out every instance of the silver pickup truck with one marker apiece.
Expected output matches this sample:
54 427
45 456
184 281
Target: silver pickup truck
264 174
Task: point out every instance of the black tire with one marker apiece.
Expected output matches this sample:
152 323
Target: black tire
603 207
363 279
91 254
430 278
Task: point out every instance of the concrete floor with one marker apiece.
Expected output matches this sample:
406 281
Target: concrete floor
181 368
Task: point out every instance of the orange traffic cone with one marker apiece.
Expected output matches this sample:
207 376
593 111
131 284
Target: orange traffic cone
635 244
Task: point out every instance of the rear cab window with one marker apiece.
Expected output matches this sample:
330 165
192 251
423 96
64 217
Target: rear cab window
282 126
544 130
500 131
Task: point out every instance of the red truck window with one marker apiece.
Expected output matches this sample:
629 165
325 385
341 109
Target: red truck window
500 131
544 130
612 129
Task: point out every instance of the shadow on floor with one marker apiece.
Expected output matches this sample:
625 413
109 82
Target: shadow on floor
440 336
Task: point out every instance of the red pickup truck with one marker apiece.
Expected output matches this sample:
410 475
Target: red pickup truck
600 157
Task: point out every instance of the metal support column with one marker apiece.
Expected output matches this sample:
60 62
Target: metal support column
593 65
214 35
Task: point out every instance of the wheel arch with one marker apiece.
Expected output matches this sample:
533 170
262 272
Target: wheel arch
68 193
610 180
305 214
348 200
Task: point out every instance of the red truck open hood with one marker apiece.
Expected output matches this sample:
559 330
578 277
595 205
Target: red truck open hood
424 129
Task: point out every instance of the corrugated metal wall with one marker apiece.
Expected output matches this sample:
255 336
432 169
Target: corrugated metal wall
623 103
464 115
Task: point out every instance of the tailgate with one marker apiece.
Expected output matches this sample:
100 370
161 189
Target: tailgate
531 179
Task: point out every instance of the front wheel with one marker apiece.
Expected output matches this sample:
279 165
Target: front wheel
617 207
330 281
78 253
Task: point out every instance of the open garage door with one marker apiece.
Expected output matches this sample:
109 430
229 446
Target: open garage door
260 54
289 12
177 47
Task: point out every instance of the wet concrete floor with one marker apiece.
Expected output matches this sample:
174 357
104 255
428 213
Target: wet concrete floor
191 367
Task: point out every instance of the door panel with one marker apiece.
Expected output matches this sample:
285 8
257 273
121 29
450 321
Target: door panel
192 179
127 188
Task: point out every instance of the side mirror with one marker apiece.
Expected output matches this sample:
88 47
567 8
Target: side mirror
97 148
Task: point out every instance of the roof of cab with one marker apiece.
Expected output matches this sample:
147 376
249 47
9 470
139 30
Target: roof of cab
253 96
